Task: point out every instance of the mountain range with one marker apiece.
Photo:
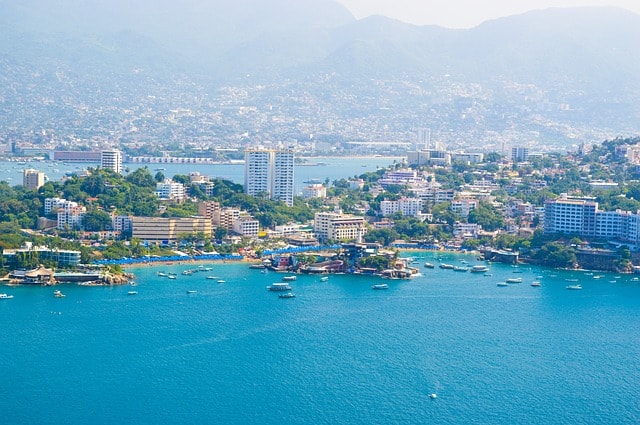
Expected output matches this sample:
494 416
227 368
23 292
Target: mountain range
584 54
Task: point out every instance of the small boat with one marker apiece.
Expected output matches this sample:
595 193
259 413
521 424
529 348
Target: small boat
172 276
289 278
460 269
574 287
324 278
5 297
58 294
429 265
502 284
514 280
162 274
191 291
380 286
536 283
635 279
132 293
212 277
221 281
287 295
571 280
488 274
446 266
480 268
279 287
598 276
433 396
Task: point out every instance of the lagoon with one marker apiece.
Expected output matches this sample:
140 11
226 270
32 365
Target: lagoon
339 352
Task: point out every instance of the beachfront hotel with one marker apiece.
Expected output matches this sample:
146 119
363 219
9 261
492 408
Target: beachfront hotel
166 230
269 172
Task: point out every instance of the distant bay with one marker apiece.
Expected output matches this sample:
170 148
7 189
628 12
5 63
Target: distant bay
316 169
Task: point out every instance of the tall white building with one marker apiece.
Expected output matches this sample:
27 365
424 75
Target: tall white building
112 160
269 172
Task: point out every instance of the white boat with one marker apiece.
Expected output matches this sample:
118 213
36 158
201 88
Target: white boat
433 396
289 278
162 274
502 284
429 265
212 277
287 295
514 280
221 281
536 283
132 293
380 286
324 278
172 276
279 287
5 297
446 266
574 287
480 268
191 291
460 269
58 294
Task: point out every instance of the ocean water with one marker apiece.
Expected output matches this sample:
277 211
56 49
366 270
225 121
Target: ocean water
338 353
334 168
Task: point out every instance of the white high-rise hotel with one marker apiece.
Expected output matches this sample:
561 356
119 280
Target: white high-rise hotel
112 160
269 172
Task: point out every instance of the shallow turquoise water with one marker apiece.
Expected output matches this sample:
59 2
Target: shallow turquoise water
337 353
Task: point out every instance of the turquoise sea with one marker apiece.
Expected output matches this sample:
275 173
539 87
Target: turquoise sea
338 353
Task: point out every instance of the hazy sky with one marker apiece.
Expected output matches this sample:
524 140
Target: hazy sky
465 13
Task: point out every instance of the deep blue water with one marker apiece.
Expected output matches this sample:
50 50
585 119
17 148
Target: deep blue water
339 352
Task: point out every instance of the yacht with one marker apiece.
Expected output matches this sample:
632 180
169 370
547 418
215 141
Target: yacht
480 268
536 283
380 286
287 295
429 265
5 297
460 269
574 287
446 266
289 278
279 287
514 280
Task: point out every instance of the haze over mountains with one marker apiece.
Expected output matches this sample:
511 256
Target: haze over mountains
571 67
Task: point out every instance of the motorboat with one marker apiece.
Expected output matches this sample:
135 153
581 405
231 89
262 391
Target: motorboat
446 266
212 277
162 274
460 269
380 286
502 284
289 278
429 265
574 287
190 291
5 297
172 276
287 295
221 281
536 283
433 396
480 268
324 278
514 280
279 287
132 293
58 294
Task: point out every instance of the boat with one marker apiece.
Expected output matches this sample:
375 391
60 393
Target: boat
191 291
132 293
289 278
5 297
162 274
433 396
58 294
488 274
514 280
172 276
429 265
212 277
324 278
380 286
571 280
574 287
287 295
460 269
446 266
536 283
480 268
221 281
502 284
279 287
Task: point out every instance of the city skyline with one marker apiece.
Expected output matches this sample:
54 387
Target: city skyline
466 13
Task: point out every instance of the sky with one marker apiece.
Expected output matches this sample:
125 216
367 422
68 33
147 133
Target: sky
465 13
